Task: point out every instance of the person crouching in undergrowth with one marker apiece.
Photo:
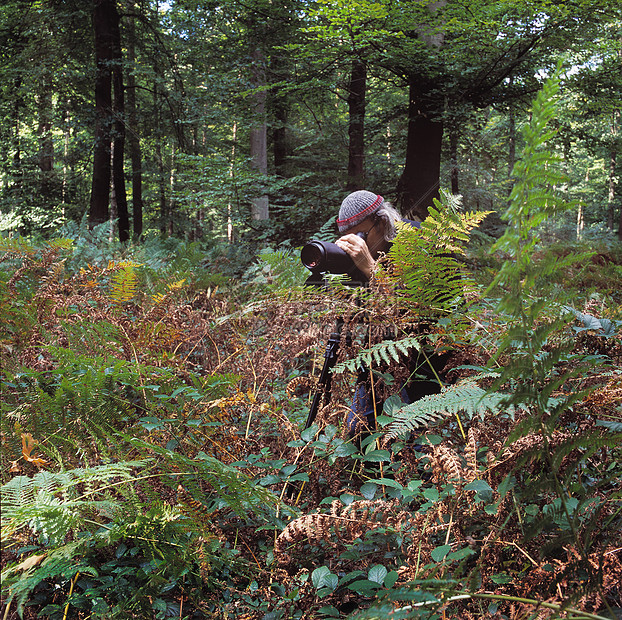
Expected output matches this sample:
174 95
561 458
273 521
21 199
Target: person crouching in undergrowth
368 213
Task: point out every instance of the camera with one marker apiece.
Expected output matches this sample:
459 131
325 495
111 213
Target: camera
322 257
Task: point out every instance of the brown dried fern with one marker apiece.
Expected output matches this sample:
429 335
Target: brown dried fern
344 524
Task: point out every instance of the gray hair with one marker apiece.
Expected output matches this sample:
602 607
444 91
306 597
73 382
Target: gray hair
388 215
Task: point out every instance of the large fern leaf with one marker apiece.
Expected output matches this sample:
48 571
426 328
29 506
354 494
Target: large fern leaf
380 352
423 261
466 398
48 502
229 486
124 282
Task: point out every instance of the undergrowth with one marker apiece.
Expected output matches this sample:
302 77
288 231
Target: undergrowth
155 460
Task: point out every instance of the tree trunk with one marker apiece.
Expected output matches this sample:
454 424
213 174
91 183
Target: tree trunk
612 172
104 18
161 188
420 180
419 184
46 144
455 173
279 138
118 106
133 139
280 107
356 127
259 132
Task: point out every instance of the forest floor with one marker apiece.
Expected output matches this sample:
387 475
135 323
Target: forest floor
155 460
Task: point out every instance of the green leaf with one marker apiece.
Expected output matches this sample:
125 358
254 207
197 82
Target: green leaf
378 456
364 587
477 486
438 553
345 449
501 578
308 434
387 482
368 490
460 554
390 579
377 573
320 576
431 494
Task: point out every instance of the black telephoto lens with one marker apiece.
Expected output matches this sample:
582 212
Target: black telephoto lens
313 255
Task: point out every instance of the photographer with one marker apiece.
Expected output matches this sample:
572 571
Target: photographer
367 213
367 225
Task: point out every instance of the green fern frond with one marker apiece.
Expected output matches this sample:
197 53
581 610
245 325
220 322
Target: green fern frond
48 503
124 282
381 352
229 486
467 398
327 231
63 562
17 245
61 244
423 261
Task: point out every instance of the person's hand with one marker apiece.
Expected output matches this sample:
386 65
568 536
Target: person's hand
358 251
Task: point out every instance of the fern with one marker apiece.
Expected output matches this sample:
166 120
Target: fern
49 504
467 398
526 281
230 487
423 261
124 282
326 231
538 366
380 352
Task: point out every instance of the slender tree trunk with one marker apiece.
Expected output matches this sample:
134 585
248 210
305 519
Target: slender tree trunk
419 184
453 147
46 144
159 148
612 171
231 176
356 127
161 188
279 138
612 190
17 172
133 139
104 17
118 106
66 141
279 104
171 204
259 132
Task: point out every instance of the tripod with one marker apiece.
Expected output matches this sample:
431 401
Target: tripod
322 394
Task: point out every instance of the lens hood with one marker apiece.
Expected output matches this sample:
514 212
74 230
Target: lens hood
323 256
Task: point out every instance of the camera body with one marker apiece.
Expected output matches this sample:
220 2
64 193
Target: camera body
321 257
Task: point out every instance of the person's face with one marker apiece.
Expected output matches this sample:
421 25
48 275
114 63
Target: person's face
374 237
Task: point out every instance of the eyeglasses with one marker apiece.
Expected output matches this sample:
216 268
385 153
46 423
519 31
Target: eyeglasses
363 234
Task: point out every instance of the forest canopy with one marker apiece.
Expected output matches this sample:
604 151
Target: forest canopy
214 121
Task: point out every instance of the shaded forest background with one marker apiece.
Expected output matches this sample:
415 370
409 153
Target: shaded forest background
249 121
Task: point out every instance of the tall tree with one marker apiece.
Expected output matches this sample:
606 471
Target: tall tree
105 23
134 139
356 125
118 141
259 129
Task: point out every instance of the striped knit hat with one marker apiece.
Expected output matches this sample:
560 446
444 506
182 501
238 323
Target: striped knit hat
356 207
